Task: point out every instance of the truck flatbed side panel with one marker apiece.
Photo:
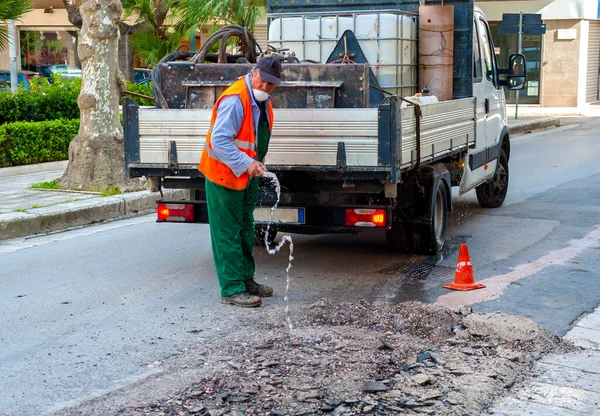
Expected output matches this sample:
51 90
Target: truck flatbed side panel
311 137
445 127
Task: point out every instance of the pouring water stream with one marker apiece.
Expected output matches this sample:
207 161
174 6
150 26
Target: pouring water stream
285 238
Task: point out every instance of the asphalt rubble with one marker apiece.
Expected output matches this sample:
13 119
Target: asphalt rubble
352 359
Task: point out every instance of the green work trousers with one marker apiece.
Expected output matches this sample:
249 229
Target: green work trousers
231 220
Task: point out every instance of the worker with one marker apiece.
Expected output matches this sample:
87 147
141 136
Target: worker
232 162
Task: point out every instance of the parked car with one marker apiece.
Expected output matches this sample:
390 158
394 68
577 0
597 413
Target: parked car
23 77
141 75
67 71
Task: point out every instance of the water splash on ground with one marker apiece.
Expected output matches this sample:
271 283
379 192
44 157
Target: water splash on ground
285 238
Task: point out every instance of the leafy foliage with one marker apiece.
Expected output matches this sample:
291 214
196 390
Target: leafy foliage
235 12
145 89
151 38
11 10
45 102
24 143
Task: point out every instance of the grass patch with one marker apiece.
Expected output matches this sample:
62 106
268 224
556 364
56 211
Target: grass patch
66 201
111 191
53 184
20 210
37 206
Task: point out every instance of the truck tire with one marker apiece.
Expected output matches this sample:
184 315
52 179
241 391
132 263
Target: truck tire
492 194
259 236
430 238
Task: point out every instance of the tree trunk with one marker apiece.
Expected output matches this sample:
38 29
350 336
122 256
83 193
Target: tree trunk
96 154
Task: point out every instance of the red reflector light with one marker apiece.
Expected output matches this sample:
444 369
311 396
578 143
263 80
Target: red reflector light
366 218
175 212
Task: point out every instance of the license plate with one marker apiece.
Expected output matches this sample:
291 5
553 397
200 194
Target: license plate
282 215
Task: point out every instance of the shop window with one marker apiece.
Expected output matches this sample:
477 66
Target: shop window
50 52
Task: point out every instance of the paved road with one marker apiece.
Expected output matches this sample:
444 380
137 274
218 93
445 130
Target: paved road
91 310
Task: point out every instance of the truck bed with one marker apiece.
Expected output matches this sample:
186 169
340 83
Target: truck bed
384 137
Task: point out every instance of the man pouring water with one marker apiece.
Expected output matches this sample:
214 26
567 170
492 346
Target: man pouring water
232 160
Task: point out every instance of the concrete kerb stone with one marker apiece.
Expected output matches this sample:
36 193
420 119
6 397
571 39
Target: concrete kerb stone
80 213
36 168
516 127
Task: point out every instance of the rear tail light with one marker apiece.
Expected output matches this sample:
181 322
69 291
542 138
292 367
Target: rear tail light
175 212
366 218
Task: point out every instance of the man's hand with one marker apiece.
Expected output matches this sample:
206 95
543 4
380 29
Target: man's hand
256 169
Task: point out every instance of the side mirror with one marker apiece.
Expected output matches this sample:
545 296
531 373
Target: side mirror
516 74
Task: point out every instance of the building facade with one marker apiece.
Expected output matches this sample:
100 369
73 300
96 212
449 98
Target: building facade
46 38
563 64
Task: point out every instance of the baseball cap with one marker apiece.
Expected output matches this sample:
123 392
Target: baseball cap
270 69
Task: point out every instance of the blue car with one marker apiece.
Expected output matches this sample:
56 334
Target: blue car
23 78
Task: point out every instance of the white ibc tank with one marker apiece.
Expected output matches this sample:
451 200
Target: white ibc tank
388 41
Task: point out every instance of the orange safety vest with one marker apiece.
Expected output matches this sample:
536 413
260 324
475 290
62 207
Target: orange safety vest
210 165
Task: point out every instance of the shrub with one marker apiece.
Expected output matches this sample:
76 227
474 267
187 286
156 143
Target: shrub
45 102
145 89
23 143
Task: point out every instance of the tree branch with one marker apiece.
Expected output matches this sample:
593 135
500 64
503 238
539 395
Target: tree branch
73 13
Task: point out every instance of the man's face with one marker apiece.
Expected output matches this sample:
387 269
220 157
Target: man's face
259 84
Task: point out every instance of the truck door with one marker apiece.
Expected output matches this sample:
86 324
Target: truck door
491 112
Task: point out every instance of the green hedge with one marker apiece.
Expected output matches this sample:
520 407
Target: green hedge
52 101
44 102
24 143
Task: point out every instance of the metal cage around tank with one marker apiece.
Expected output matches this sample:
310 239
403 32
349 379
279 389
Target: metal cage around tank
392 56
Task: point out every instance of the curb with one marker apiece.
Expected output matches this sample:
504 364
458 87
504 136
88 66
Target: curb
37 168
81 213
524 127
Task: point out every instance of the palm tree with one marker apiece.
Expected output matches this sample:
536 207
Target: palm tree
153 34
11 10
233 12
244 13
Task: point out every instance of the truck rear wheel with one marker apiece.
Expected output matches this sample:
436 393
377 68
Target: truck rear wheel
492 194
430 238
423 231
259 235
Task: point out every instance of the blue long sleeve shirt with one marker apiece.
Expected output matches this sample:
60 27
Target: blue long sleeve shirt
230 115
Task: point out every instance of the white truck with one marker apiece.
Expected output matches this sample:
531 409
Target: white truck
349 150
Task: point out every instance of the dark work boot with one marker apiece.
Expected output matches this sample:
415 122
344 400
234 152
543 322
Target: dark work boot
243 299
256 289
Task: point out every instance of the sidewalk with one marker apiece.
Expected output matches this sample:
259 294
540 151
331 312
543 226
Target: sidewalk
562 385
25 211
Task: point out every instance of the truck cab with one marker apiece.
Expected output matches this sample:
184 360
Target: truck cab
487 168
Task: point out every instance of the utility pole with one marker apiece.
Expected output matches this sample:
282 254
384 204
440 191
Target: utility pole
12 51
520 51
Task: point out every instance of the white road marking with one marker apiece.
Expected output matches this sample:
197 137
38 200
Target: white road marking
496 285
10 246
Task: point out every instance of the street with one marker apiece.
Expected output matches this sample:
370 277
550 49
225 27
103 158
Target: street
89 311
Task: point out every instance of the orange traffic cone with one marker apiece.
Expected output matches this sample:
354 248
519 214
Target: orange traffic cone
463 279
